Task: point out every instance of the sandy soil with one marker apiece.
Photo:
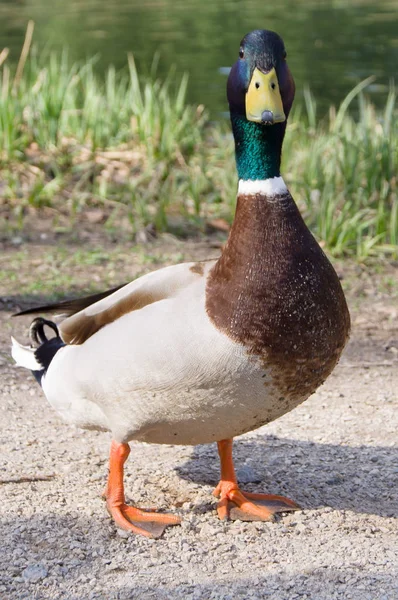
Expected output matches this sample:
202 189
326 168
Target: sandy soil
336 455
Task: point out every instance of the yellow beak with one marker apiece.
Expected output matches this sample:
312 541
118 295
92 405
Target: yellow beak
263 98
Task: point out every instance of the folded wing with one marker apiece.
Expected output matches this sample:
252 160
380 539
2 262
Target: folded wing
89 314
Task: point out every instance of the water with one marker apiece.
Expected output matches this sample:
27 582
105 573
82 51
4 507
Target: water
331 44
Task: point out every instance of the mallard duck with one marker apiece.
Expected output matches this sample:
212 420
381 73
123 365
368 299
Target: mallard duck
203 352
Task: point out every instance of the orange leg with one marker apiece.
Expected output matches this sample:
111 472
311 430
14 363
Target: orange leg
130 518
236 504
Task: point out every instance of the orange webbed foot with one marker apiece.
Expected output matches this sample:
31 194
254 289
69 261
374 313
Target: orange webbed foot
235 504
148 524
130 518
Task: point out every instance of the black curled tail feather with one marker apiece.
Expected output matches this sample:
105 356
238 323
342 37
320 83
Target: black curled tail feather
37 333
46 347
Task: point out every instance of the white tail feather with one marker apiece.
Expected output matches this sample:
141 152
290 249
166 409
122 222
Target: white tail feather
24 356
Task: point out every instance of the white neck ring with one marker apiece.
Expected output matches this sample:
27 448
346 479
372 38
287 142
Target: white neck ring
274 186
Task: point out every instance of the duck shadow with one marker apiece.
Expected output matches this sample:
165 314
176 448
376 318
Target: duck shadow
362 479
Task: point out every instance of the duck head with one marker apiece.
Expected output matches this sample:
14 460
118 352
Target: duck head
260 93
260 85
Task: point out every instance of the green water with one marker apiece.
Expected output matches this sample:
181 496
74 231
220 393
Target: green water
331 44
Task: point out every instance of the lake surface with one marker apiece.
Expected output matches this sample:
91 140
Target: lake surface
331 44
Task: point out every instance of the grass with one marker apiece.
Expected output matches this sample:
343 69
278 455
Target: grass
345 175
72 141
49 273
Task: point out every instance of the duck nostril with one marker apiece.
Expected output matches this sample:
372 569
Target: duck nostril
257 85
273 86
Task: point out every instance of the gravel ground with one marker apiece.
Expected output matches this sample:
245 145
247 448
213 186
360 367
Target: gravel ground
336 455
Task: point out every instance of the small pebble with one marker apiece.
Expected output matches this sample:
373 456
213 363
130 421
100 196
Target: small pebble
246 474
34 573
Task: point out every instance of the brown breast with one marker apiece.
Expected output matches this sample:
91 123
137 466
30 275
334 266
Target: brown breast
274 290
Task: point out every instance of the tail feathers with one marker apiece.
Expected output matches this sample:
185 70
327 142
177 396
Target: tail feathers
37 359
24 356
46 352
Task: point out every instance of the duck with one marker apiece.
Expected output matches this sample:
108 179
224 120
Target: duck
203 352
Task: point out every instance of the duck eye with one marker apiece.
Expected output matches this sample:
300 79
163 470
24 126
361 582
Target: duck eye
241 53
